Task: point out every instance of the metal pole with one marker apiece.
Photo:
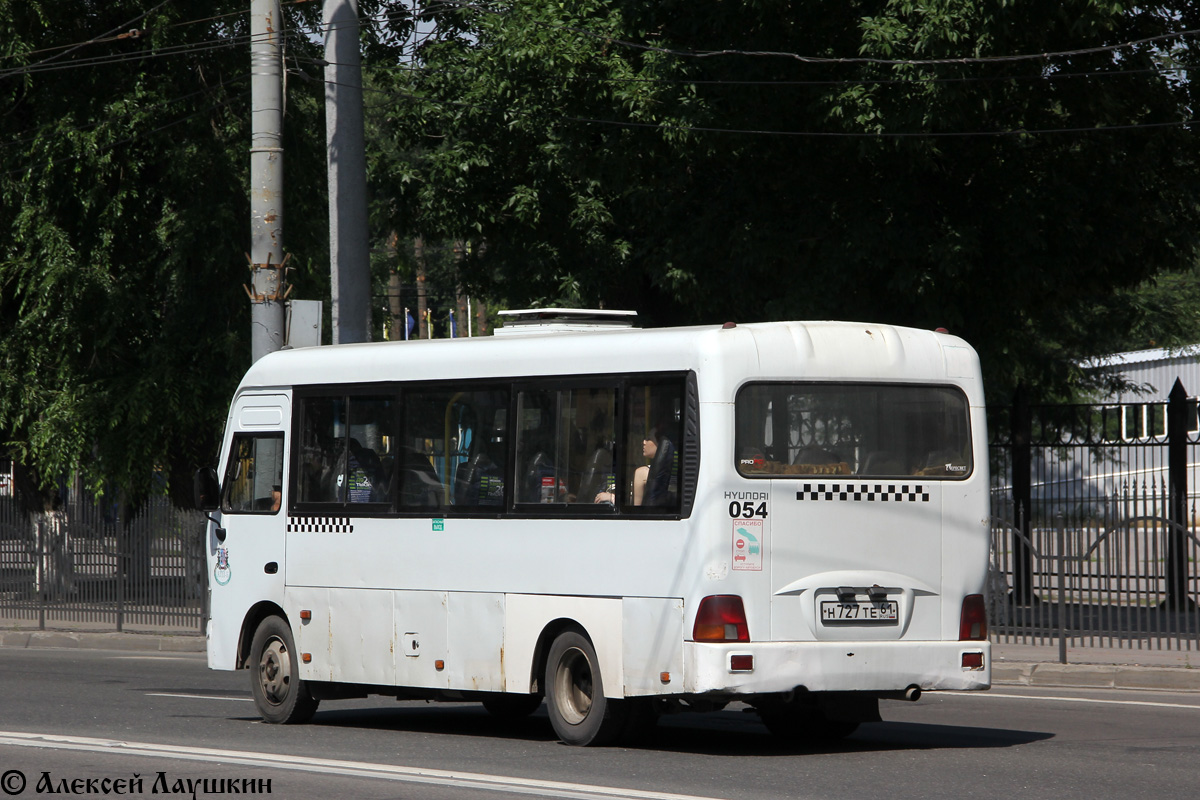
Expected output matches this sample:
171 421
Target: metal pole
266 288
124 560
1062 590
1177 467
41 572
349 260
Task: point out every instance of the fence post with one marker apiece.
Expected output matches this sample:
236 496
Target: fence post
40 570
1177 444
1062 589
122 562
1022 491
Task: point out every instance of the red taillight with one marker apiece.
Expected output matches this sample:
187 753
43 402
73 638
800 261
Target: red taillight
721 618
972 625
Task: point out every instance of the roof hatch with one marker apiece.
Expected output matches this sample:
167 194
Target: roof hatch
564 320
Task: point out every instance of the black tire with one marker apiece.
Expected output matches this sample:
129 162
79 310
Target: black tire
281 697
511 706
579 711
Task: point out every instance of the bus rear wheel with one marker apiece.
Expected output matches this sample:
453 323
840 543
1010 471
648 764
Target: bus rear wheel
579 711
281 697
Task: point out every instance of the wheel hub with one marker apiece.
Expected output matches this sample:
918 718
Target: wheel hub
273 671
575 686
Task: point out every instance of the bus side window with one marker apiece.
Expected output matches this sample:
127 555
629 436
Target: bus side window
654 428
345 451
367 478
320 448
453 448
254 475
565 443
540 478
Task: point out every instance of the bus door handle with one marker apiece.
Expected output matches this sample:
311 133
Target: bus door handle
271 567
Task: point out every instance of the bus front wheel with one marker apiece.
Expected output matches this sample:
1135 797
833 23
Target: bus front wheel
579 711
281 697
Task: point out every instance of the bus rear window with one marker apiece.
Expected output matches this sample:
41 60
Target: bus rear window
872 430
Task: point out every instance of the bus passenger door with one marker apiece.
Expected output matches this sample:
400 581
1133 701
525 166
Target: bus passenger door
246 566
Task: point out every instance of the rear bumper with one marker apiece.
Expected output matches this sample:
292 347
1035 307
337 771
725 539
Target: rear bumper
835 666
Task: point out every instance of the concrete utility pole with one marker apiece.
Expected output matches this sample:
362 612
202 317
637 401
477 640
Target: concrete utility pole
267 291
350 266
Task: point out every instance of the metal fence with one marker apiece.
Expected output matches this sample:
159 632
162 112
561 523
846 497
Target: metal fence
83 564
1094 537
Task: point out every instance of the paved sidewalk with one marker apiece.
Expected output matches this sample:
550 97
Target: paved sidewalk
1012 664
1111 668
100 636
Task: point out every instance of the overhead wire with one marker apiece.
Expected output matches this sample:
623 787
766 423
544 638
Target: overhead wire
233 41
813 134
31 136
293 34
686 53
1044 76
120 28
129 139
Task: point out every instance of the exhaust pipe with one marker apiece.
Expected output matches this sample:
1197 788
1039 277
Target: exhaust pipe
912 694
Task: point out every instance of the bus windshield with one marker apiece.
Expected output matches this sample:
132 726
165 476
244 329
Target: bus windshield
876 430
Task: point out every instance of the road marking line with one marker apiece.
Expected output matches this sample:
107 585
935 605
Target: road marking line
199 696
1074 700
360 769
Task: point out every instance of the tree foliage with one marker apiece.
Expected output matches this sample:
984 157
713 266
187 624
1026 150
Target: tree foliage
880 160
124 217
682 161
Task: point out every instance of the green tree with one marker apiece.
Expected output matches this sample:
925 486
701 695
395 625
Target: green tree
683 161
124 221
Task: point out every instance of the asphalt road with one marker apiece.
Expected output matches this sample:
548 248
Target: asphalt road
67 716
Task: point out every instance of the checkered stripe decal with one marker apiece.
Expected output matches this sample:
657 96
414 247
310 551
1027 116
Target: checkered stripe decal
319 525
869 492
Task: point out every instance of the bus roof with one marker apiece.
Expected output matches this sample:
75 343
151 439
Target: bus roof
732 353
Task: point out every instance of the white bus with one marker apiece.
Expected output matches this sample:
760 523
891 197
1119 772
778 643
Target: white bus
624 522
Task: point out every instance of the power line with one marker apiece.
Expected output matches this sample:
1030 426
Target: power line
226 42
383 16
1045 76
810 134
191 48
126 26
187 48
135 137
31 136
684 53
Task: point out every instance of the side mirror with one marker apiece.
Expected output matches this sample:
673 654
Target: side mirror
208 490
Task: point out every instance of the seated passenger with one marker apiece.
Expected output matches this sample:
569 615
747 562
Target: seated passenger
661 452
651 483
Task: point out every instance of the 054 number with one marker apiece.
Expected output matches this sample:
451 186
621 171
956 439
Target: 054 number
747 510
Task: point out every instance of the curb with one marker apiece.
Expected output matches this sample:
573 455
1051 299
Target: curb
132 642
1096 676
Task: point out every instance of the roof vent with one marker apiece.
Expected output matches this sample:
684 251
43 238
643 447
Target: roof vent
564 320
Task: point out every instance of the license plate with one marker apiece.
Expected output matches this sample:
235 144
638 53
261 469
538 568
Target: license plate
835 612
